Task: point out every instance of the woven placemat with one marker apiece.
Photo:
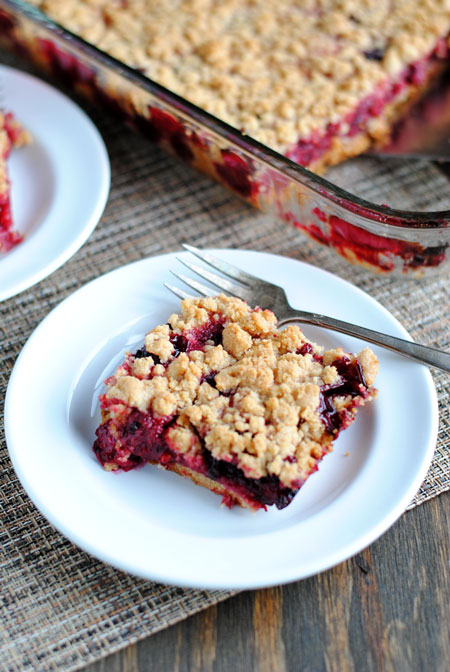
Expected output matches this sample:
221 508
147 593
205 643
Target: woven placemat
60 608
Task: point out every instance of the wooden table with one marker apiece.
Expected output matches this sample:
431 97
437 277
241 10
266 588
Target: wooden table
385 609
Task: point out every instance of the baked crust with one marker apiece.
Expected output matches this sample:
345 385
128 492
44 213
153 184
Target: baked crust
229 497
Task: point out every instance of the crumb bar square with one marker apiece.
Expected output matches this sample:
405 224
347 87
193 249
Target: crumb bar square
11 135
221 396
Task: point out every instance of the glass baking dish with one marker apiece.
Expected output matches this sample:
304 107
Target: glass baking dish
376 237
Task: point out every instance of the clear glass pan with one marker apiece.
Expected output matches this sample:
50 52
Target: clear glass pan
377 237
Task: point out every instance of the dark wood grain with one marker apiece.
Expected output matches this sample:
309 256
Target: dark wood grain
386 609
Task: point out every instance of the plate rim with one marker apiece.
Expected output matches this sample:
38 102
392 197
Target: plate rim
343 553
16 286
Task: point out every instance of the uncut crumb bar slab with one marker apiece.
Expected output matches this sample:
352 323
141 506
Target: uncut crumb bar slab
316 80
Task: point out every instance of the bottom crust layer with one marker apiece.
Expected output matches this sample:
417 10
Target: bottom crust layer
229 497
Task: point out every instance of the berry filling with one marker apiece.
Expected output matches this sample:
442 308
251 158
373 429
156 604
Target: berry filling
352 384
195 339
146 440
142 434
263 492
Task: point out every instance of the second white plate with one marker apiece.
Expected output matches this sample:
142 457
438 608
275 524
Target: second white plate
60 182
160 526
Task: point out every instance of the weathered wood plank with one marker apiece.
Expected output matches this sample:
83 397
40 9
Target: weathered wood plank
387 609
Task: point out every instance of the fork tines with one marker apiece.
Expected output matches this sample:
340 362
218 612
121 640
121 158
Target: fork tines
240 290
220 265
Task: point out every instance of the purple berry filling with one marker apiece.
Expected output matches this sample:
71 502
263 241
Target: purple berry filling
195 340
352 383
142 434
266 490
210 378
376 54
145 440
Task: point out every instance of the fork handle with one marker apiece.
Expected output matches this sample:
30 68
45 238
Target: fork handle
421 353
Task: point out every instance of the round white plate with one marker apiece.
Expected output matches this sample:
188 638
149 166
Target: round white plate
59 183
157 525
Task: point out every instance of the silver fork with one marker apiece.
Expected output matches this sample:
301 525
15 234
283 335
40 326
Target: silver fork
266 295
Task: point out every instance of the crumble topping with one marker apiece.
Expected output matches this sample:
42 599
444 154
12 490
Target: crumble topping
200 311
157 343
276 71
254 400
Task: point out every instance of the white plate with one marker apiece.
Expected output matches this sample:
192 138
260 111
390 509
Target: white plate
60 182
157 525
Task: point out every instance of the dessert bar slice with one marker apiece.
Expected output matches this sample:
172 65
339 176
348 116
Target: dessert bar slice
11 135
317 80
221 396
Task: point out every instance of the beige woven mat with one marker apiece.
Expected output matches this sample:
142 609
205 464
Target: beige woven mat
61 609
